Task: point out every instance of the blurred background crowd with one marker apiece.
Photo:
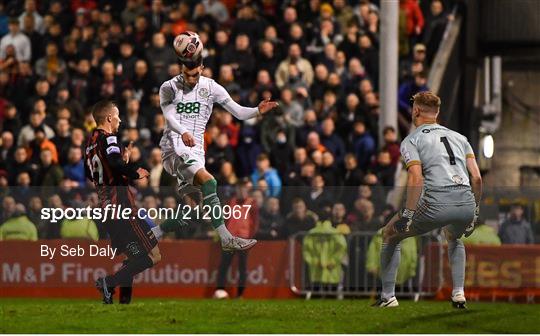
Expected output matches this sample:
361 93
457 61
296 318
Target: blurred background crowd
317 156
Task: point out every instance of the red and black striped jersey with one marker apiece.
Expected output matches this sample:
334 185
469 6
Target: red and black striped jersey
104 165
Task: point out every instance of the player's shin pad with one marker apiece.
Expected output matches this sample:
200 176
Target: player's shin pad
210 198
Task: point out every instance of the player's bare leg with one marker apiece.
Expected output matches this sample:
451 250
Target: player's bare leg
390 259
210 198
456 259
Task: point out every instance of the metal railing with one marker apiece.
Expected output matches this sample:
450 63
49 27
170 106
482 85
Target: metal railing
356 280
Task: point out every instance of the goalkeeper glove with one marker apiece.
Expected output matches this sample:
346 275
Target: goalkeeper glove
405 220
470 228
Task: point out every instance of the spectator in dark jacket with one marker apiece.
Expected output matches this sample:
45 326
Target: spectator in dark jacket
50 174
516 229
271 221
300 219
363 144
331 140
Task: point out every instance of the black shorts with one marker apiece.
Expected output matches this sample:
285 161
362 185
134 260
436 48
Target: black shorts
132 237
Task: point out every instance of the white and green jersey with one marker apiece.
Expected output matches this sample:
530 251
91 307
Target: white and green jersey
442 153
188 109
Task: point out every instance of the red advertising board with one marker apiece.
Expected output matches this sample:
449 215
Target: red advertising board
508 272
188 269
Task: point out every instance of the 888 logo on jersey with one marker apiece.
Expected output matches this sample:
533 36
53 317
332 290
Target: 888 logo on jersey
188 108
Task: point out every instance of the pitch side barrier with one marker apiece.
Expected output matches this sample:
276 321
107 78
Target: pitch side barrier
338 266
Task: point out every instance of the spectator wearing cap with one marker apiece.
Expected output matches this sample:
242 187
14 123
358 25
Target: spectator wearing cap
21 42
266 172
516 229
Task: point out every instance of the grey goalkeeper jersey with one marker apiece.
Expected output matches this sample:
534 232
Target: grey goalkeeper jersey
442 153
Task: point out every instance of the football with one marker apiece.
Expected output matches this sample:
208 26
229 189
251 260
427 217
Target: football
188 46
221 294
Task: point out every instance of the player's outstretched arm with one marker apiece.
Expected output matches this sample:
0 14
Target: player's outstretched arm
222 97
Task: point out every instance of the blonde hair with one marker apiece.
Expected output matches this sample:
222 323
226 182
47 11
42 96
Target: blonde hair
427 101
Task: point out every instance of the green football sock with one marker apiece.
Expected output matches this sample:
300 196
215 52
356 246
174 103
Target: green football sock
170 225
210 198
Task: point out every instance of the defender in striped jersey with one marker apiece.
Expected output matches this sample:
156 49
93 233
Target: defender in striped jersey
444 188
107 166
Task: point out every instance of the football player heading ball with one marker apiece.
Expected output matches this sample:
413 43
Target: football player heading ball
186 101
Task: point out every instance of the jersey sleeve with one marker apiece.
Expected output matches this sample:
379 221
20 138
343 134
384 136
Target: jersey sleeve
409 153
113 152
469 152
222 97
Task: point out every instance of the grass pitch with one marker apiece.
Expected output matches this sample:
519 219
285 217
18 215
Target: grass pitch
262 316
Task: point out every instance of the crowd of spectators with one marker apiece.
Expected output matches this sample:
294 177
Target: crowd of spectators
316 155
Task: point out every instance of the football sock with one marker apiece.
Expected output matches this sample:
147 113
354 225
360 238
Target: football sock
390 258
126 292
210 198
124 276
456 258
